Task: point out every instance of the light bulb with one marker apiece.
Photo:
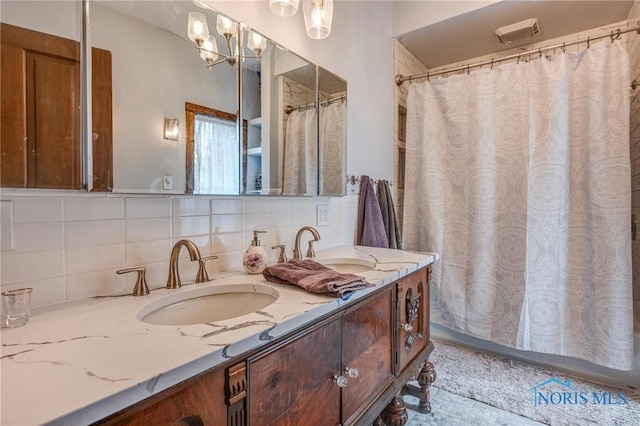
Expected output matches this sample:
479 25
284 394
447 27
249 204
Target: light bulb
256 42
197 30
318 15
225 26
208 49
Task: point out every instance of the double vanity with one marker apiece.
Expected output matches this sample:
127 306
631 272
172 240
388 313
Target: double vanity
238 350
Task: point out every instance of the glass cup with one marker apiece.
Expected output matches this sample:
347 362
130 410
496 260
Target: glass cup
16 307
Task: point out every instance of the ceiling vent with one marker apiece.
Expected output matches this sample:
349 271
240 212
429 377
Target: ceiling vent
518 31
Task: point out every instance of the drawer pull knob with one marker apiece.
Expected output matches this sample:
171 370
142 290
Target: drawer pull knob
407 327
341 381
351 372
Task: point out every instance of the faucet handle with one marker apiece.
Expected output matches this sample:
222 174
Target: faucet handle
282 255
202 276
141 287
310 251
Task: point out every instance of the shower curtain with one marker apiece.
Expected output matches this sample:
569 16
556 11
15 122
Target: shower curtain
332 145
300 174
519 176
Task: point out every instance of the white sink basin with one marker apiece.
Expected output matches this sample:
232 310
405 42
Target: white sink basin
346 265
208 304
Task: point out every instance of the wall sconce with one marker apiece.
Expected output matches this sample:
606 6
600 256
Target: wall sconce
171 128
318 15
284 8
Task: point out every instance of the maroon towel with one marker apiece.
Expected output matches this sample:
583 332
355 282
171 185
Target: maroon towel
314 277
371 230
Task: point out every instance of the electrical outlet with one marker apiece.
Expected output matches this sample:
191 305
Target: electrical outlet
167 182
322 214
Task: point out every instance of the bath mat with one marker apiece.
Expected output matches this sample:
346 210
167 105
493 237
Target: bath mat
540 394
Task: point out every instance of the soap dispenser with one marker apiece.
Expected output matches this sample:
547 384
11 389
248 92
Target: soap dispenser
255 258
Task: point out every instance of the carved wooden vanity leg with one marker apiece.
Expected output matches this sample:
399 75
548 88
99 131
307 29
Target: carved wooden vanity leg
426 377
395 414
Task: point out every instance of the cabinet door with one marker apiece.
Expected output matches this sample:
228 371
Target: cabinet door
293 385
413 301
367 347
200 402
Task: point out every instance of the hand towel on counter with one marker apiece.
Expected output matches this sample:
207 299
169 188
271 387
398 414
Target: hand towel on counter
389 215
314 277
371 230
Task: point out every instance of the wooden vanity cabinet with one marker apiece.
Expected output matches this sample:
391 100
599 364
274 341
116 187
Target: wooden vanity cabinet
413 316
341 370
299 382
199 401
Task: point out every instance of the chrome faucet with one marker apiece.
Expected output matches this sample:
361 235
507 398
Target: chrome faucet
174 276
310 252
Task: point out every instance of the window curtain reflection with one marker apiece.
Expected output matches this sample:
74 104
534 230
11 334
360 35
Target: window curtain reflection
216 155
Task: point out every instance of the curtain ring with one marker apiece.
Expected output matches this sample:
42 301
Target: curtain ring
540 53
427 75
491 63
618 34
518 61
588 42
564 47
468 71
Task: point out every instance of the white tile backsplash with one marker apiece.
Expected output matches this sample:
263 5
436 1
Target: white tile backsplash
69 247
101 283
144 207
191 206
93 208
226 206
189 226
94 233
92 259
37 209
31 266
147 229
38 236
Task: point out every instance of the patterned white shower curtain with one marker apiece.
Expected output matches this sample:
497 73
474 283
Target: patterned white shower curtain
519 177
332 145
300 169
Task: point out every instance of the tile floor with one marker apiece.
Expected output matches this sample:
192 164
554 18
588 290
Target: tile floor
449 409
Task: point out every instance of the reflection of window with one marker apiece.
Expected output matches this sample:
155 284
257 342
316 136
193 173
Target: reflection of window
216 168
213 153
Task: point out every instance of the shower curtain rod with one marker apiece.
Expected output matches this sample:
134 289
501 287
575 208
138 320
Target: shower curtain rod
614 35
289 109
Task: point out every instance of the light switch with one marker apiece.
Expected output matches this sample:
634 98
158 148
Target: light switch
322 214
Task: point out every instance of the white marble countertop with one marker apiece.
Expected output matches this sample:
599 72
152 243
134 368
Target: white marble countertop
79 362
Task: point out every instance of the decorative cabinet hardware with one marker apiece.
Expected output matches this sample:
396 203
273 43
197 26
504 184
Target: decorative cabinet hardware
412 309
341 381
352 372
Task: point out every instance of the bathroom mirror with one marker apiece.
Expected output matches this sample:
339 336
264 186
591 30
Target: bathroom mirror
159 74
281 152
147 73
41 138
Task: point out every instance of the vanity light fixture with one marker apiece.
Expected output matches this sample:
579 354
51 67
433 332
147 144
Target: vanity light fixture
198 31
171 128
284 8
318 15
256 43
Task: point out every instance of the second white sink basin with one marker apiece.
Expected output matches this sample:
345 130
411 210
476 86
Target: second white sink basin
346 265
208 304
